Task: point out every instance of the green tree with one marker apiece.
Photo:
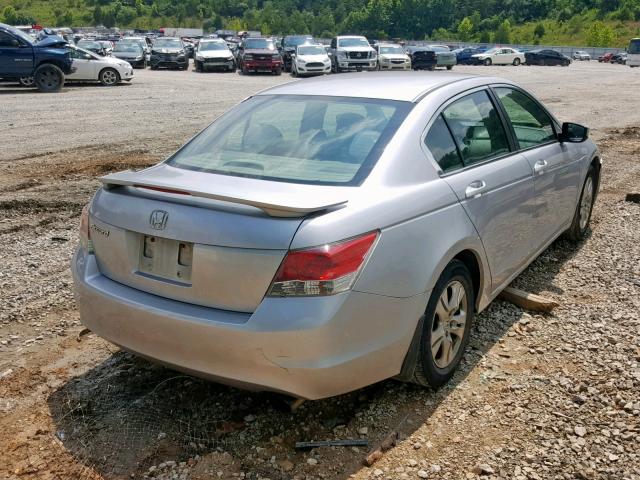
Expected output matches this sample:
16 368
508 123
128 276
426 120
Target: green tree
10 15
539 31
600 35
503 33
465 29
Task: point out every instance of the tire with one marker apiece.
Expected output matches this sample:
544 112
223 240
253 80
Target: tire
27 81
431 68
433 369
565 63
109 77
582 216
277 71
449 67
48 78
516 62
487 62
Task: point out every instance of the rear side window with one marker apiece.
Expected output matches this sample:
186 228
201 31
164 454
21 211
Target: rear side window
442 147
531 124
476 128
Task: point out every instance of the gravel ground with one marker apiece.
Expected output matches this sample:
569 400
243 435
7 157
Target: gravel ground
538 396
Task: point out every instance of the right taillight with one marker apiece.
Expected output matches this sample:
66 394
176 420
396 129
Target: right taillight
324 270
85 235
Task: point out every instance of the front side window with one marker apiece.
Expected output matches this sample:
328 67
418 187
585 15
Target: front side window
476 128
7 41
531 124
300 139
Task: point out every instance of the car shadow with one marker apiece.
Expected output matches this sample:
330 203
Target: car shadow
126 414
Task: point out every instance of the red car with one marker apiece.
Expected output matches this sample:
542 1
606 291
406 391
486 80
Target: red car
606 58
259 55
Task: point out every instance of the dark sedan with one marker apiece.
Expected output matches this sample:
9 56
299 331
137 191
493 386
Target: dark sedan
170 53
546 57
464 56
131 53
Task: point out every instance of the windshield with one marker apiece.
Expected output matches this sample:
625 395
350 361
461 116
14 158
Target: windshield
353 42
259 44
439 48
24 36
311 50
634 46
167 43
300 139
127 47
391 49
491 51
212 46
295 41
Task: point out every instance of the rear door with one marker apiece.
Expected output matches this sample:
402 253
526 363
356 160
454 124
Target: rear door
495 185
556 169
16 57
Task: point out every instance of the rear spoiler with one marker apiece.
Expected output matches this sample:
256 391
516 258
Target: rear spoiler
274 204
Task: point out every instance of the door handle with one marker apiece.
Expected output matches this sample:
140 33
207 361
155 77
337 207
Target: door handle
475 189
538 167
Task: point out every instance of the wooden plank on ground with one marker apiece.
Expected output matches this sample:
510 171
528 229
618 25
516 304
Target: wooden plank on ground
529 301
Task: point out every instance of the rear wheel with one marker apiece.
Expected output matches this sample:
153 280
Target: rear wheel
109 77
446 327
516 62
487 62
48 78
582 217
27 81
198 66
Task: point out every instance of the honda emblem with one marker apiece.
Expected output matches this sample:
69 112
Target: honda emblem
158 219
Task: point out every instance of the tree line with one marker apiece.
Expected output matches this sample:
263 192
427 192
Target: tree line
597 22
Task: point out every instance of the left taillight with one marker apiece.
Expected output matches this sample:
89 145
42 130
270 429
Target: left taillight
85 235
324 270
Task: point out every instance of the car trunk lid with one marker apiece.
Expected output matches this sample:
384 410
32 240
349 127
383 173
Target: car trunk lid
201 238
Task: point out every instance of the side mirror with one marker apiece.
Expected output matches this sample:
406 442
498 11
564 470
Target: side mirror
574 133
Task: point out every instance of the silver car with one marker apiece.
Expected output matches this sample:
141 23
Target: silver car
330 233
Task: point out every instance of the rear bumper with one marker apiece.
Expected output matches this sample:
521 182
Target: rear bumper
307 347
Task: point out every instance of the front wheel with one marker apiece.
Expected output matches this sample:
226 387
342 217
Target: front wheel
48 78
449 67
487 62
109 77
582 216
446 326
516 62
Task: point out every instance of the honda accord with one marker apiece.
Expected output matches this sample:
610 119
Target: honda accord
327 234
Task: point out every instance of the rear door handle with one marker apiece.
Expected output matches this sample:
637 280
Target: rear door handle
538 167
475 189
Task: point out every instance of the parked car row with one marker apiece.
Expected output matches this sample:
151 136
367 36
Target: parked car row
619 58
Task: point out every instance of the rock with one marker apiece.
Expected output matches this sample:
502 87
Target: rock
377 472
312 461
363 431
286 465
580 431
423 474
483 469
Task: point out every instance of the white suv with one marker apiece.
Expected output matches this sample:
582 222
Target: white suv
352 53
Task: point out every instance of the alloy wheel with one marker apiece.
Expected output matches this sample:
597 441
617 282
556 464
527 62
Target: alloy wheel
586 202
448 327
109 77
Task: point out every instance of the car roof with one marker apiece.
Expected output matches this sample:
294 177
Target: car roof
402 86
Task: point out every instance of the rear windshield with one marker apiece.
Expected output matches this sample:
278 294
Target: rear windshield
634 46
301 139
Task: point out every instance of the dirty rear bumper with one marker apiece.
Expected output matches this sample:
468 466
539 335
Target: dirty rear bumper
306 347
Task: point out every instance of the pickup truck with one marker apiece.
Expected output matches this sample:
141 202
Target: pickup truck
352 53
42 63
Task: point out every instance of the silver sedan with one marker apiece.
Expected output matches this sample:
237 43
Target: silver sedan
327 234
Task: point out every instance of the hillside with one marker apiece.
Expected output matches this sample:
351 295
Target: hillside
573 22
